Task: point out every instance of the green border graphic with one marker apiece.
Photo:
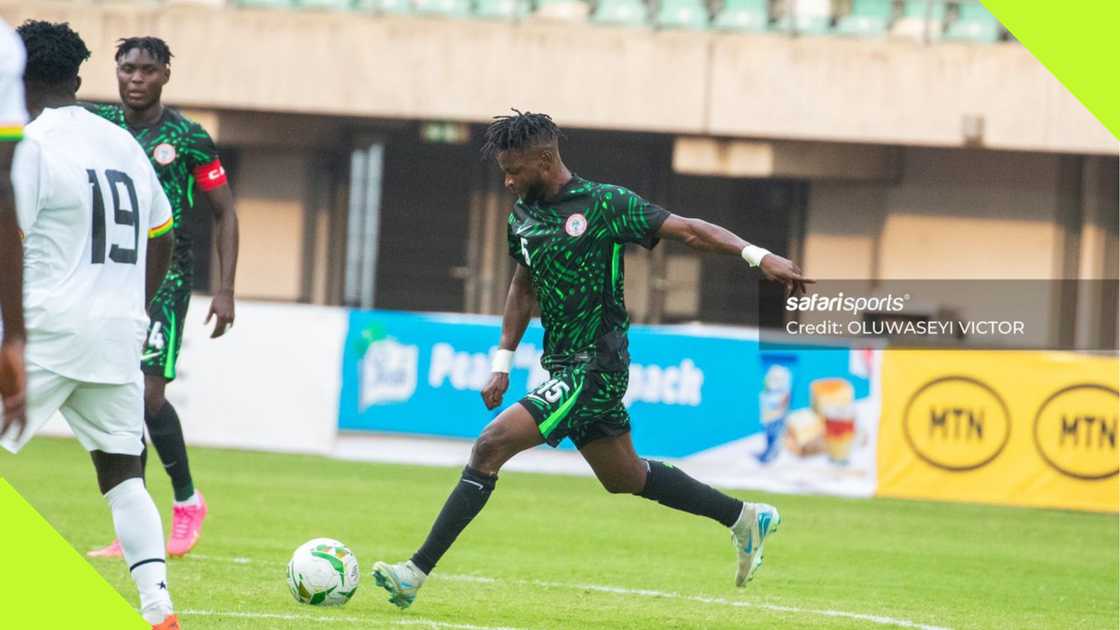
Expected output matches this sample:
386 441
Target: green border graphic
1077 42
41 570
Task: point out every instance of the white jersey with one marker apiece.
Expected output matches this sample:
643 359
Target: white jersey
13 112
87 199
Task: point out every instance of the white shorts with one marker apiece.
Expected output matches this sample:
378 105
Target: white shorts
104 417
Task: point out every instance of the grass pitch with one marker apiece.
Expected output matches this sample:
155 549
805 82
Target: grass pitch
558 552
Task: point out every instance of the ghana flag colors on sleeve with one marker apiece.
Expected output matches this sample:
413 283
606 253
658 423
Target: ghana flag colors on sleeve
13 109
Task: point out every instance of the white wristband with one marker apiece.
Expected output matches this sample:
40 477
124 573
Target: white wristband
502 360
753 254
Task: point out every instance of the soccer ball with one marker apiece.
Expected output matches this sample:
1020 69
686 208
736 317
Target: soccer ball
323 572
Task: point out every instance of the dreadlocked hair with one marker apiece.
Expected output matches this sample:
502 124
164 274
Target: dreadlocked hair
155 46
520 131
54 51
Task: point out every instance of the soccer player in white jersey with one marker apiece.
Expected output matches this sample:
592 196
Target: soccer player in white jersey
13 116
98 240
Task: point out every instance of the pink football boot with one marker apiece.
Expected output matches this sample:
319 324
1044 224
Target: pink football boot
186 527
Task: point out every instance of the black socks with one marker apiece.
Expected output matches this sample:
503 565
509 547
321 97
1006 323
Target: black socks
670 487
167 436
465 502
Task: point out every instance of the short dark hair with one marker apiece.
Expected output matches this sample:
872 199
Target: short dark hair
54 51
154 45
520 131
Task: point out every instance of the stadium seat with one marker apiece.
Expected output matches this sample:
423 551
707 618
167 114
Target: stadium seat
209 3
920 9
389 7
743 15
867 19
573 10
272 4
501 9
450 8
683 14
341 5
621 13
915 14
974 23
810 17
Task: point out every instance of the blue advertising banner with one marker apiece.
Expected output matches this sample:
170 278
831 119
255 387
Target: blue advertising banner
689 391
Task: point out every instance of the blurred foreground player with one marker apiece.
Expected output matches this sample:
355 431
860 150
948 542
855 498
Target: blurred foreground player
567 235
183 155
98 240
13 116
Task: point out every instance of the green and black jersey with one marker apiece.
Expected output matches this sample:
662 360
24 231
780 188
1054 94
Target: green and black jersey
573 247
183 154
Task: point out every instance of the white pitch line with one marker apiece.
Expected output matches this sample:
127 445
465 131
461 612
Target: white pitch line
234 560
428 623
882 620
877 619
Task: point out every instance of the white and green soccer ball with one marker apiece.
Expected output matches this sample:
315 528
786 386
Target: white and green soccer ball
323 572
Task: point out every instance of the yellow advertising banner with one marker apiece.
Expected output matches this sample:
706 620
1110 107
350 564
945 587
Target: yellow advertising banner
1007 427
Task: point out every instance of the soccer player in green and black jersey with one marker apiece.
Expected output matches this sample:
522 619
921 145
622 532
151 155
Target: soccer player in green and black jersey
185 160
567 235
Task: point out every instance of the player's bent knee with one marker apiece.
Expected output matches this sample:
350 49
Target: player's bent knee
622 486
114 468
616 488
488 453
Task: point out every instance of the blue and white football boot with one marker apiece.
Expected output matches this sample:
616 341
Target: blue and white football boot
402 580
756 522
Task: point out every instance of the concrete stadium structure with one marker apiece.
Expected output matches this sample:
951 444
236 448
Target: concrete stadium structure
352 143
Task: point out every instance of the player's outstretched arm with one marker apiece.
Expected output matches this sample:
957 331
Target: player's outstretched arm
708 237
13 378
519 309
159 260
225 218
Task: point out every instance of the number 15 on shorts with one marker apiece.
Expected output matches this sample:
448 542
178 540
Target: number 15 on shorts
552 390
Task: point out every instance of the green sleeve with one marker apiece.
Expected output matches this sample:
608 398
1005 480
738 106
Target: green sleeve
199 148
630 218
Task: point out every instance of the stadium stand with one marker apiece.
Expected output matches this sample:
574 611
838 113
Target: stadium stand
621 13
449 8
684 14
387 7
808 17
974 23
869 18
922 20
573 10
272 4
501 9
338 5
748 16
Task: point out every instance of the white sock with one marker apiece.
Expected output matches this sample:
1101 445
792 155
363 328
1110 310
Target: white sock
421 576
191 501
743 516
140 533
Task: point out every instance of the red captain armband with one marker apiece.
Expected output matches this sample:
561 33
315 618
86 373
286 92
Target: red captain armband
210 176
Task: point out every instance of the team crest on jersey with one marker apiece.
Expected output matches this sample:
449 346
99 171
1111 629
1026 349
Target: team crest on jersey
576 225
164 154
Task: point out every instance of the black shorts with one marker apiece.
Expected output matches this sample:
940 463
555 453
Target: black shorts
165 332
580 404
